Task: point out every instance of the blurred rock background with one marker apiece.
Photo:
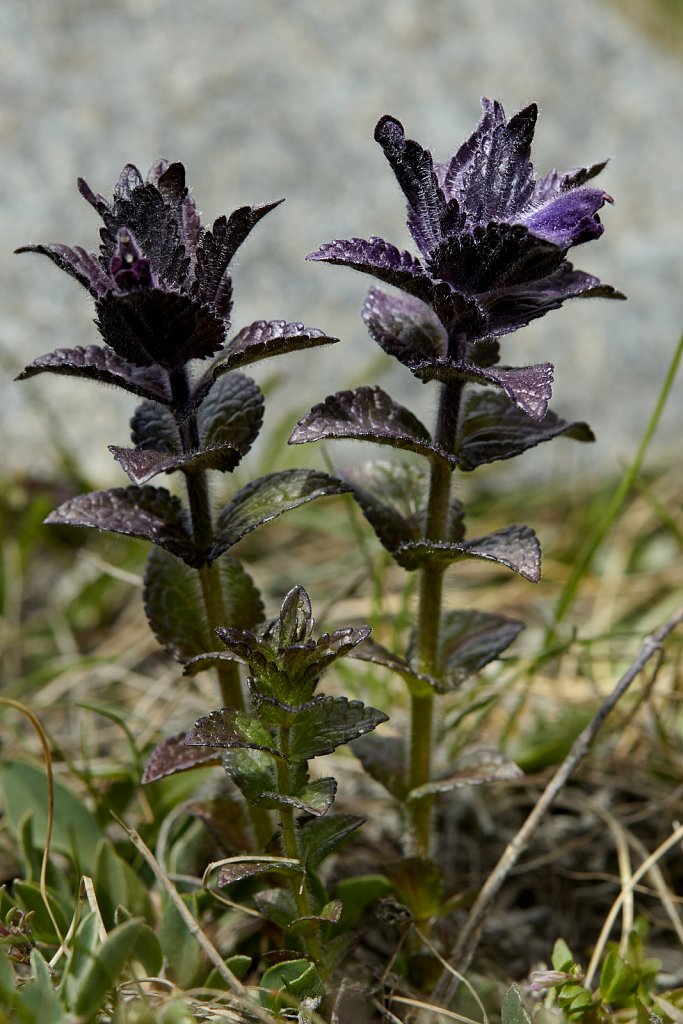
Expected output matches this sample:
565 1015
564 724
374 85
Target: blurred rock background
265 98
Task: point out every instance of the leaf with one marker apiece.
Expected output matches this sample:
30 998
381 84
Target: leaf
492 428
227 727
384 759
323 726
174 603
142 466
294 624
287 984
319 838
277 905
253 867
529 387
618 979
260 340
368 414
158 327
172 755
477 766
380 259
153 427
232 413
104 972
514 1011
75 830
392 496
562 958
405 327
184 962
312 798
105 366
356 894
266 498
226 820
118 885
419 883
516 547
470 640
150 513
252 771
312 923
418 683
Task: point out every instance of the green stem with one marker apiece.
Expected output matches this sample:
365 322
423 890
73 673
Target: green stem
290 847
429 623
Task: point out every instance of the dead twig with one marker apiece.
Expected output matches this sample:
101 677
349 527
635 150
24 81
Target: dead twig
462 955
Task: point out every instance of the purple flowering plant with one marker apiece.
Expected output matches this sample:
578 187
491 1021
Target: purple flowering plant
493 243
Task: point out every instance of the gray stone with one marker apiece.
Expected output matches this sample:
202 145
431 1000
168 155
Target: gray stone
266 98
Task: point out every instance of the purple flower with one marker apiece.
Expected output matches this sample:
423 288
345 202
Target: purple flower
160 282
493 242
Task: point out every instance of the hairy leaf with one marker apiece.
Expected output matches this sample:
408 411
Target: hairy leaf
175 608
79 264
516 547
172 755
232 413
477 766
227 727
368 414
405 327
295 622
253 867
529 387
470 640
384 759
323 726
392 496
311 923
419 882
268 497
147 512
105 366
142 465
418 683
153 428
156 327
492 428
260 340
318 839
380 259
312 798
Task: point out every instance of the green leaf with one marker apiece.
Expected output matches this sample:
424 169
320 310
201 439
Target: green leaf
312 923
514 1011
38 1002
277 905
75 830
228 728
116 884
562 958
268 497
287 984
104 971
356 894
30 899
312 798
240 966
182 954
252 771
618 980
322 727
294 624
174 604
419 883
319 838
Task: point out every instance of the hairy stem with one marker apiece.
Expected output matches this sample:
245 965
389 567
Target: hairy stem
290 848
429 621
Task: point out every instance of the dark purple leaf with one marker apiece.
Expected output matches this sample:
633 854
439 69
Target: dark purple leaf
405 327
153 428
216 249
471 639
104 365
418 683
268 497
516 547
78 263
142 465
252 867
493 257
368 414
230 728
414 170
174 603
153 326
206 661
322 727
380 259
232 413
529 387
173 756
481 765
492 428
147 512
393 498
225 819
384 760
